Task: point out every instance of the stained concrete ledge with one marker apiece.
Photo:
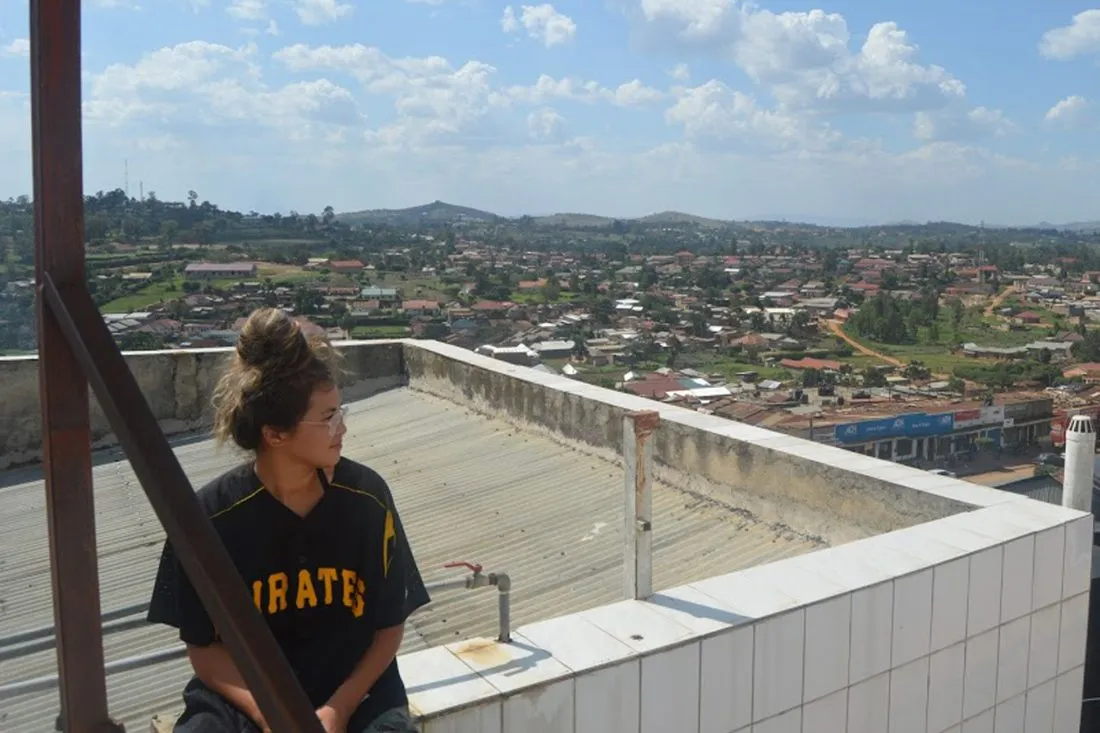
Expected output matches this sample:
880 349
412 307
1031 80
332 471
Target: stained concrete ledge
176 383
817 490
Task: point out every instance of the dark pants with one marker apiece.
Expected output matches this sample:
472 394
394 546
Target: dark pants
205 711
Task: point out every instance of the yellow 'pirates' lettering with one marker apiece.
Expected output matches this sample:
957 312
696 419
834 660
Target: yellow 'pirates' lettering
276 591
389 534
306 590
306 594
328 575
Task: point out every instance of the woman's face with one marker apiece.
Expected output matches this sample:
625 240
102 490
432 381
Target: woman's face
319 436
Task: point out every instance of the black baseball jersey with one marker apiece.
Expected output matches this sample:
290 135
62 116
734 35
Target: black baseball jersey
324 582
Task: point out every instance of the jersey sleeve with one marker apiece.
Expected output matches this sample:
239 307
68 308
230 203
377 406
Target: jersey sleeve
402 589
176 603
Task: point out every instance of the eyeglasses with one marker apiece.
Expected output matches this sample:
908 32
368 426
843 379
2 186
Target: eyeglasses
334 422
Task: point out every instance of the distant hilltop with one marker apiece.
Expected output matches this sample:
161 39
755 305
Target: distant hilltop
439 213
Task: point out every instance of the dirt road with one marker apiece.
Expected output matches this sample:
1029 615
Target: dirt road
996 302
837 330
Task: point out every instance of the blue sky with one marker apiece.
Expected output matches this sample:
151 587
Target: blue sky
843 110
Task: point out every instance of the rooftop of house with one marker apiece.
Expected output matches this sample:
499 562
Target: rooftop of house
523 471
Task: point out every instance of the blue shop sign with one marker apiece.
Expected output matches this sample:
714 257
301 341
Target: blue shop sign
903 426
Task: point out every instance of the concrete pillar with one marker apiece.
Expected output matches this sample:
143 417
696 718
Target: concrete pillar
1080 463
638 430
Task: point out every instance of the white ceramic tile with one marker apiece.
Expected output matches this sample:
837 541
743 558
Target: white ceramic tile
637 625
695 610
1073 632
912 617
956 729
670 690
909 697
1078 560
1068 693
945 687
1050 548
788 722
950 587
828 644
869 705
1017 578
980 677
921 541
799 582
1012 658
608 700
984 603
748 592
1009 716
846 565
437 680
1042 663
777 664
485 718
872 631
509 667
958 535
576 642
1016 519
547 709
826 715
725 683
1039 708
982 723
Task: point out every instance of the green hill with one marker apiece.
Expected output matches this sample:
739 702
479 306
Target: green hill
433 214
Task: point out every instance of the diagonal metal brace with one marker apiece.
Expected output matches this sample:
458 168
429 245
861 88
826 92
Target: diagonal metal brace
208 565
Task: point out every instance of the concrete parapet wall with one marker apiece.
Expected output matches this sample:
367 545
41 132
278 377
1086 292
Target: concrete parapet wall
976 619
815 489
177 384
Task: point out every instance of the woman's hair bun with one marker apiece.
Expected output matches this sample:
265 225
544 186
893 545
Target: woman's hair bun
273 343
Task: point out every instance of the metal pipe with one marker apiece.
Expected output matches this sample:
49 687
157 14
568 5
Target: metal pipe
42 632
459 584
41 643
49 682
503 582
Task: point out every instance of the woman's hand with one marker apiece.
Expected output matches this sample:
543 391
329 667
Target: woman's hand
332 720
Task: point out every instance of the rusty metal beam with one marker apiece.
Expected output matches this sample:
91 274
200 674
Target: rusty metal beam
74 348
223 592
59 254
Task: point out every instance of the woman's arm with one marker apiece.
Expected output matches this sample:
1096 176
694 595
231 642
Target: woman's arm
379 655
216 669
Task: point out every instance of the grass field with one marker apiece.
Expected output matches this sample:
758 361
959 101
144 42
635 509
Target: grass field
379 332
157 292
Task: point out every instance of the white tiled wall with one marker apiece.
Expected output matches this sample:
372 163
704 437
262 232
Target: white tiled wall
971 624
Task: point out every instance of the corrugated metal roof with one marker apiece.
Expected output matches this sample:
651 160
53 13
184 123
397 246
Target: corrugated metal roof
468 488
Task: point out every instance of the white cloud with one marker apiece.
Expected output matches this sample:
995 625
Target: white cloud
320 12
1073 113
18 48
247 9
545 124
715 112
805 59
962 126
542 22
1080 38
680 72
179 89
635 93
546 88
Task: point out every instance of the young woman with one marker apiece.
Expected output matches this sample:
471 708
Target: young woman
315 536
